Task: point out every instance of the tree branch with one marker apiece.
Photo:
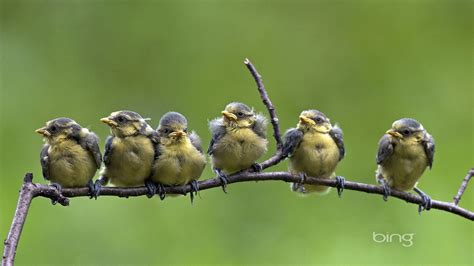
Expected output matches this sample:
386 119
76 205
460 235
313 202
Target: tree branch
463 187
30 190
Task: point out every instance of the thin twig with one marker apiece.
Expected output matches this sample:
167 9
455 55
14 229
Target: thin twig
463 187
267 102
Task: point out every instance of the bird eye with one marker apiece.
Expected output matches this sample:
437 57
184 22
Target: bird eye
318 119
185 130
406 132
240 114
166 131
121 119
53 129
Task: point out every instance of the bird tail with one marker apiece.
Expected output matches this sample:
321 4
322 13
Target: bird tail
306 189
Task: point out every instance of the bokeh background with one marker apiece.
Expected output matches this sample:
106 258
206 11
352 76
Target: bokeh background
363 63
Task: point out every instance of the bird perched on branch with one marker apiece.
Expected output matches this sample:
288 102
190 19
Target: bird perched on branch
180 159
314 148
238 140
129 151
404 152
71 155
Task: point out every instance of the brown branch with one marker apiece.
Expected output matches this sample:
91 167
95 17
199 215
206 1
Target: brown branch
463 187
30 190
27 193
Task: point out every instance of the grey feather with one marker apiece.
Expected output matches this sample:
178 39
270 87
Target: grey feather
337 136
429 145
217 128
196 141
291 141
108 150
386 147
91 143
260 126
44 159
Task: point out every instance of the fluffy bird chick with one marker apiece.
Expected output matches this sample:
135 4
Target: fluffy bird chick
129 151
238 140
314 148
405 151
71 155
180 159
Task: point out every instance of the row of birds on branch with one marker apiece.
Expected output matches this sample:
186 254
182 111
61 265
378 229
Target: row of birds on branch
136 154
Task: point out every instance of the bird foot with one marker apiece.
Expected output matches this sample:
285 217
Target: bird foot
59 188
222 178
161 191
93 193
426 201
151 188
302 178
340 181
257 168
194 190
386 189
95 188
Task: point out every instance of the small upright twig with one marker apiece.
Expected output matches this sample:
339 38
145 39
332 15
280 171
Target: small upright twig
278 156
463 187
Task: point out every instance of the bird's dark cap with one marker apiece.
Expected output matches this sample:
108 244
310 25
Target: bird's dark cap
173 117
234 106
407 123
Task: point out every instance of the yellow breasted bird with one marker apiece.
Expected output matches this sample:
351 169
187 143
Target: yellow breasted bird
180 159
314 148
129 151
238 140
404 152
71 155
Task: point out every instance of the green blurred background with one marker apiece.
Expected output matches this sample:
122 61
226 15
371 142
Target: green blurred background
365 64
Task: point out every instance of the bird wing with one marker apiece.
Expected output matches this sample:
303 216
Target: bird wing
429 145
155 141
195 141
337 136
260 126
386 146
108 150
291 141
44 159
217 129
91 143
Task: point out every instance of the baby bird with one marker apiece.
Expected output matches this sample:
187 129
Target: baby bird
314 148
71 155
405 151
238 140
129 151
180 159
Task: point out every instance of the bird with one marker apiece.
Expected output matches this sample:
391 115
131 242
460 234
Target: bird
404 152
180 159
238 140
70 156
130 151
314 148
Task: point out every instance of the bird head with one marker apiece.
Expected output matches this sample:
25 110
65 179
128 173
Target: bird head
314 120
173 127
407 129
59 129
238 115
126 123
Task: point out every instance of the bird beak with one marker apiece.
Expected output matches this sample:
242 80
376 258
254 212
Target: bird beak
394 133
229 115
43 132
177 134
109 122
306 120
